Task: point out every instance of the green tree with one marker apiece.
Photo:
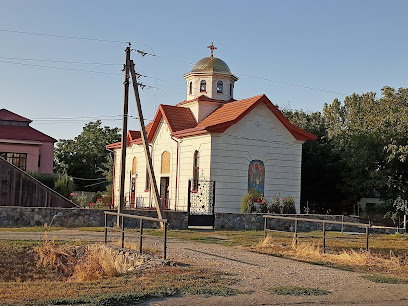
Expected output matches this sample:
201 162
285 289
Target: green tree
85 156
370 135
321 164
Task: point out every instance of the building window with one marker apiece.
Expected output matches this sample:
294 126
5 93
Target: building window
39 161
147 186
203 86
191 88
17 159
165 162
256 177
196 170
219 87
231 89
134 166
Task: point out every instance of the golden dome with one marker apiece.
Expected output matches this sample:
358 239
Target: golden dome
211 64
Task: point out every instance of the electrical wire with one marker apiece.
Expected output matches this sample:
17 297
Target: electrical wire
59 61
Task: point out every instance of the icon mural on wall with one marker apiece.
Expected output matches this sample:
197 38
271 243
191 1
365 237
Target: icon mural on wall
256 176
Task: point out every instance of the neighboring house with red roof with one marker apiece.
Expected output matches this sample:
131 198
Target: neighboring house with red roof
24 146
241 145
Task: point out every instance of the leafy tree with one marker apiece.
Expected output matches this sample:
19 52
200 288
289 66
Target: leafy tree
370 135
85 156
321 164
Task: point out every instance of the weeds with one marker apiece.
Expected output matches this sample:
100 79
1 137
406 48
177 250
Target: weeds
297 291
383 279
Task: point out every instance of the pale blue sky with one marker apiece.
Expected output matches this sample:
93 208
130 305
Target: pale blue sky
337 46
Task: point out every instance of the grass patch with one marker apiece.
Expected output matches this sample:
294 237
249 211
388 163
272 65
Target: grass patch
297 291
32 229
383 279
63 278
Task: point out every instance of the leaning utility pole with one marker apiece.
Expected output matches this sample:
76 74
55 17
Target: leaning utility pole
124 134
145 141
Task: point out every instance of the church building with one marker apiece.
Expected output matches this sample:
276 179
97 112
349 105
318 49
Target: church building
212 149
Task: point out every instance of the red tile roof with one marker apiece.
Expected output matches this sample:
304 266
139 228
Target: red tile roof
204 98
6 115
182 123
23 133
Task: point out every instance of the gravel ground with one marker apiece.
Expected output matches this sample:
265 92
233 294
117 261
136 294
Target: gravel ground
257 273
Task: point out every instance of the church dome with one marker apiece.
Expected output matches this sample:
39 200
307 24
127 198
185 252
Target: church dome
211 64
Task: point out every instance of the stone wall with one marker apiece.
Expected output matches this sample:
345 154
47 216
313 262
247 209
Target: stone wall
75 217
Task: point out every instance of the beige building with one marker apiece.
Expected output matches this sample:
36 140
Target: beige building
210 137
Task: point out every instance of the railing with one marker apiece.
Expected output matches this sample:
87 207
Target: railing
324 222
141 218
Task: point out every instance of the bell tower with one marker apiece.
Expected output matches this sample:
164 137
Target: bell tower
211 77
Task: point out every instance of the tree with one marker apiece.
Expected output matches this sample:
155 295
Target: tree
371 136
321 165
85 156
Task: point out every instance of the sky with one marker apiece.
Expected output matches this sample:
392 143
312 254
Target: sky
61 61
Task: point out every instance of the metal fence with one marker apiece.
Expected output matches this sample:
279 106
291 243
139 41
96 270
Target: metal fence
141 219
323 222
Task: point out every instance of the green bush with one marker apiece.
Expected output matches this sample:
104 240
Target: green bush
276 205
48 179
64 186
247 206
289 205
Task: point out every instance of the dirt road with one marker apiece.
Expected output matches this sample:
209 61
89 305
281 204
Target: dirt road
257 273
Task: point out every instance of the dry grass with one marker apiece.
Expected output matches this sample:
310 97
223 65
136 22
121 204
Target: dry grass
359 260
89 280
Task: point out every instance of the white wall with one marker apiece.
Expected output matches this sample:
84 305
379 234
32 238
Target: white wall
186 152
258 136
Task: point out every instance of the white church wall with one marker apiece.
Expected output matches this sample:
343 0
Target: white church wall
258 136
186 154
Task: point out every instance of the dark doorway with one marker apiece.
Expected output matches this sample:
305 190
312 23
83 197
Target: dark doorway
164 192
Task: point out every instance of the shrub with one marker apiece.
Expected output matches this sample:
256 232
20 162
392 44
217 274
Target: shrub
64 186
247 206
288 205
48 179
80 200
263 205
276 205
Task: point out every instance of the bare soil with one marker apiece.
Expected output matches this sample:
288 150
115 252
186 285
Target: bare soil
256 274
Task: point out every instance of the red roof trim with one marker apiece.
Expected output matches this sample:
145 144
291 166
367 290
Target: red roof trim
6 115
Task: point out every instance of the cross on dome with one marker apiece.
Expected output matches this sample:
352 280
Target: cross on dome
212 48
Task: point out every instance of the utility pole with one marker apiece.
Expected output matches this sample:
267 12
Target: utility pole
124 134
145 141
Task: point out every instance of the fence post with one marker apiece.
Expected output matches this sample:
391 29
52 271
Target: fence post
165 240
324 238
265 226
123 234
342 223
296 226
367 234
141 237
405 223
106 229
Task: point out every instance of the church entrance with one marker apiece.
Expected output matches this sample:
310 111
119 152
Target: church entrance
164 192
201 202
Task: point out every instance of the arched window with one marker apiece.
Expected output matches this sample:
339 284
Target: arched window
203 86
134 166
165 162
219 87
196 170
256 177
191 88
231 89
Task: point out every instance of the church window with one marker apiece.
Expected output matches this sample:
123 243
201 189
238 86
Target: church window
147 186
231 89
256 177
196 170
219 87
191 88
203 86
134 166
165 162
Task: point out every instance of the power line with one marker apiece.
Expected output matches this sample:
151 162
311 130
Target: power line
143 53
59 61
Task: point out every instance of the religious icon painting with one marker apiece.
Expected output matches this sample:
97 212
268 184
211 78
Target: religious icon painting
256 176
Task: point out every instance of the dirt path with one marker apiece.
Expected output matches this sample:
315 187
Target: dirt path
257 273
